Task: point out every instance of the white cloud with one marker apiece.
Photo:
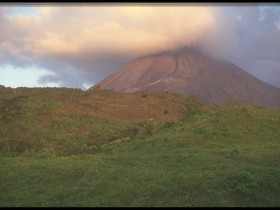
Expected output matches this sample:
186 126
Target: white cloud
13 77
79 38
70 30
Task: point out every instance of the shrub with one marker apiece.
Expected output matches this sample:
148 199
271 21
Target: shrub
45 154
168 124
242 182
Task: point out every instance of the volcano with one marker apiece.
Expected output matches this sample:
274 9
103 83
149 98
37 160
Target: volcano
191 72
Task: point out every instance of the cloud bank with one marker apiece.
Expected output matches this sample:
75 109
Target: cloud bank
81 45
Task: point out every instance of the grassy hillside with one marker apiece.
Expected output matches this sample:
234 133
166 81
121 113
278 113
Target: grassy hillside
72 121
193 154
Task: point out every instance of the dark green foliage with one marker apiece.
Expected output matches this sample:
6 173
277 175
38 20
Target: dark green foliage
241 182
168 125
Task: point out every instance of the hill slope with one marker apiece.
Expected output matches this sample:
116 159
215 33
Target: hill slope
192 73
68 120
56 153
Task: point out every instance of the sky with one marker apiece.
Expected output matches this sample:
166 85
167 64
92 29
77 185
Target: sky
78 45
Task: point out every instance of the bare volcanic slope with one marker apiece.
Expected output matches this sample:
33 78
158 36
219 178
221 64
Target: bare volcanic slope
190 72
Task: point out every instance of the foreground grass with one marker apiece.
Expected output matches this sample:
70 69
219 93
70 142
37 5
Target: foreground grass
227 156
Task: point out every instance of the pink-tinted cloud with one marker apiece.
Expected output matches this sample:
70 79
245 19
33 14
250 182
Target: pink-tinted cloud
83 44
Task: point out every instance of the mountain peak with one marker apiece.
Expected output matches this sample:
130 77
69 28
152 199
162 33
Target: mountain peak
180 51
190 72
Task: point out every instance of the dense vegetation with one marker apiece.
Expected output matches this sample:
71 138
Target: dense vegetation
67 147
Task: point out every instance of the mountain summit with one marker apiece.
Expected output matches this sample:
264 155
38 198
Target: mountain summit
191 72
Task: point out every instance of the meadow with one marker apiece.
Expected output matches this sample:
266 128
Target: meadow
68 147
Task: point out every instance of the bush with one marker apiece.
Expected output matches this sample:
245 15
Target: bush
139 129
242 182
168 124
45 154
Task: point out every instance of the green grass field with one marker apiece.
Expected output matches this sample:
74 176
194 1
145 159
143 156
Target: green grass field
53 154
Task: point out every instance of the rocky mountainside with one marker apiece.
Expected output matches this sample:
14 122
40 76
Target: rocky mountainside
190 72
